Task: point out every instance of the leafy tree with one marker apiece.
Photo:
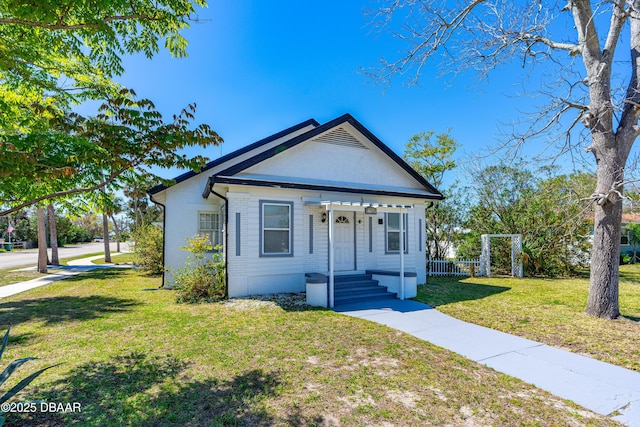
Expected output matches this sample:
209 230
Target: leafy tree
433 159
576 41
139 208
54 54
634 239
115 209
71 49
545 208
78 155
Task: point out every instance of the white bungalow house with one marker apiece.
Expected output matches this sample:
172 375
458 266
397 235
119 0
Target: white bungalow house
313 203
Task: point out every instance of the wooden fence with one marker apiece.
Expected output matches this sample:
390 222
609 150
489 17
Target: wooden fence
459 267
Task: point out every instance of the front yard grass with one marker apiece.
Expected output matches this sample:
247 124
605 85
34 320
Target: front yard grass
546 310
132 356
116 258
14 275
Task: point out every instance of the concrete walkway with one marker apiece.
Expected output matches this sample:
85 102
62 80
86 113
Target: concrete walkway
599 386
60 272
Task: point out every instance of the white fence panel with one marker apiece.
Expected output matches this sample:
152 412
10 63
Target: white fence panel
459 267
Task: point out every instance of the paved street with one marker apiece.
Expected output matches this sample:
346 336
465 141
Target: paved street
30 256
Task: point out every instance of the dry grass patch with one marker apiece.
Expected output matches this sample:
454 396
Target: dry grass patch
132 356
546 310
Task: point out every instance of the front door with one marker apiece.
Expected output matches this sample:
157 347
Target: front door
344 243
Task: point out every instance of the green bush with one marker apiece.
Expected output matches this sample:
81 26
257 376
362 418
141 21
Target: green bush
201 278
148 248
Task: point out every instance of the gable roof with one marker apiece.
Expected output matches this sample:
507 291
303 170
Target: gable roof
237 153
227 175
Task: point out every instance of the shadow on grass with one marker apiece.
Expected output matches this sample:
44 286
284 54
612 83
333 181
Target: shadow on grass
150 391
100 273
21 338
447 290
54 310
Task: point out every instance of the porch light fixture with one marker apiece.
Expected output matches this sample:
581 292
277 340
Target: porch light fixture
324 217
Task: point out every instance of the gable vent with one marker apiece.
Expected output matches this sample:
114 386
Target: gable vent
340 137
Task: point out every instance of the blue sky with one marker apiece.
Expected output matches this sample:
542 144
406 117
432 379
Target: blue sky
255 68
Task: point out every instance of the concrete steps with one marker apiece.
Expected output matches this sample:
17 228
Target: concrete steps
354 288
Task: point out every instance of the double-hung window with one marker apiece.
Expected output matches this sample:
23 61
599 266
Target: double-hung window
209 225
276 228
392 233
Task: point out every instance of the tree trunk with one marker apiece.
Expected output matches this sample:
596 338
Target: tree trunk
53 235
105 235
42 241
605 257
117 230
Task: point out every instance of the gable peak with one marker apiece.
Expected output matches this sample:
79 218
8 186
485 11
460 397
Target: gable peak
340 136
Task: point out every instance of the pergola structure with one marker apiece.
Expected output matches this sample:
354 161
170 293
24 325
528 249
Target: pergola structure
516 254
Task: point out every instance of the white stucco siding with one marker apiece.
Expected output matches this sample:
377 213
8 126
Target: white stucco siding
346 164
315 233
242 157
419 232
250 273
183 203
414 260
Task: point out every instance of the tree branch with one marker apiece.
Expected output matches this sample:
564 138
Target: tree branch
62 26
619 17
57 194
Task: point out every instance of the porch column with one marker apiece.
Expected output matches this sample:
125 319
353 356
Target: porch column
331 257
402 234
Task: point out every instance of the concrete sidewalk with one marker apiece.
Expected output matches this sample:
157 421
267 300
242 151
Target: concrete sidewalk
61 272
599 386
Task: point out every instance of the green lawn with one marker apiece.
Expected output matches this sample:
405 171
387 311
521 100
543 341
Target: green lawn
131 356
117 258
546 310
10 275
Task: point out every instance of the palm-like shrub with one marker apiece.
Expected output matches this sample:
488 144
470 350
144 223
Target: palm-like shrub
10 369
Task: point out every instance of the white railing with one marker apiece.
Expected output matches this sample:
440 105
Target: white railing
458 267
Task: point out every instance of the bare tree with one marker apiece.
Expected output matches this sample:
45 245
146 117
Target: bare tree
576 40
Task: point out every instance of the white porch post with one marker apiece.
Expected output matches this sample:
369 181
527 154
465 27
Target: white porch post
402 233
331 257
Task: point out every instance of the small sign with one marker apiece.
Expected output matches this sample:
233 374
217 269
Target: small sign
10 229
370 210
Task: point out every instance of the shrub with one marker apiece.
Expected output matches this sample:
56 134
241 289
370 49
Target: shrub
148 248
201 278
10 369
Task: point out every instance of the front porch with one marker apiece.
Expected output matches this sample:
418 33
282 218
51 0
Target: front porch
393 281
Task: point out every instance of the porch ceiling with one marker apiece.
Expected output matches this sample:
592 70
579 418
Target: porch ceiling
361 205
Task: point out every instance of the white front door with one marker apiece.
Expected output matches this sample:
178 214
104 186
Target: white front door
344 244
